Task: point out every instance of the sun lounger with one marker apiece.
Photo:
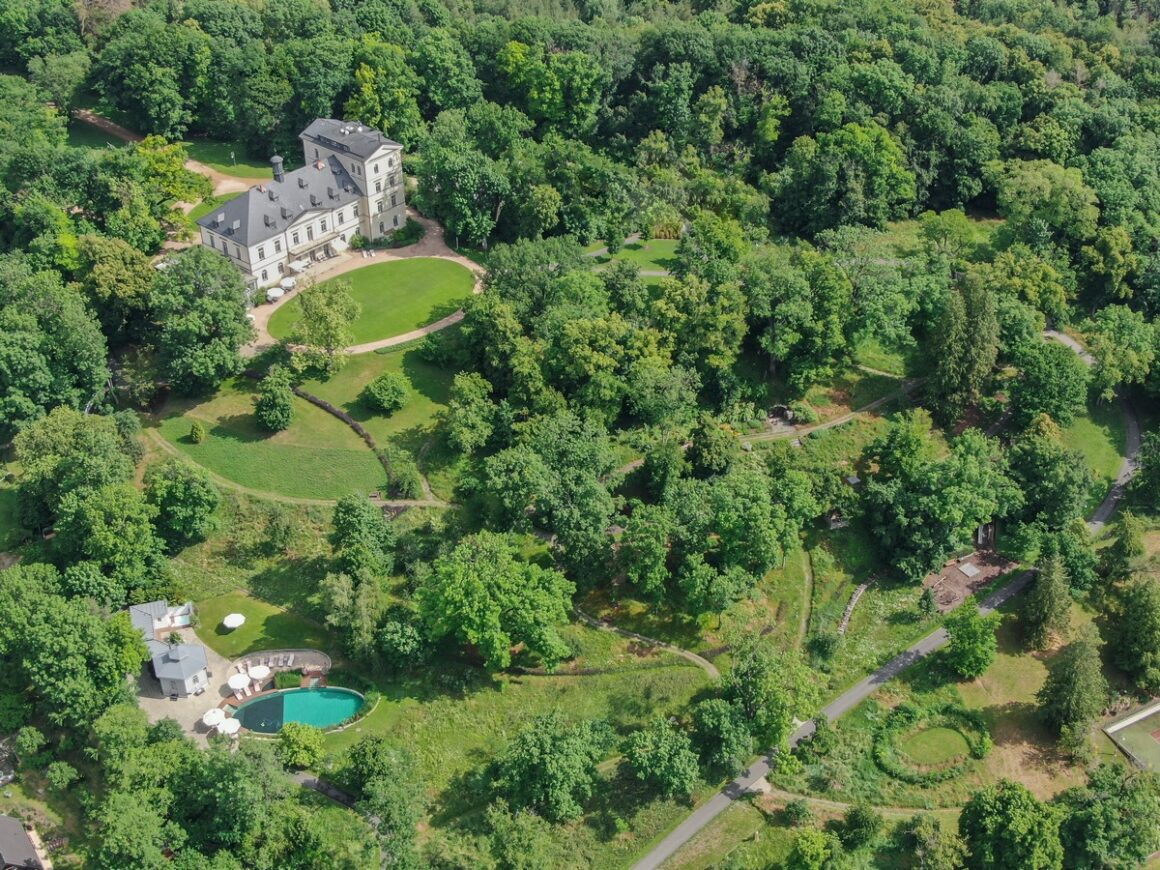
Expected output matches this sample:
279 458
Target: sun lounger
239 696
248 691
290 661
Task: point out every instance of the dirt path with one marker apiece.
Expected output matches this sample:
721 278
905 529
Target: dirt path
704 664
908 387
433 245
808 604
222 182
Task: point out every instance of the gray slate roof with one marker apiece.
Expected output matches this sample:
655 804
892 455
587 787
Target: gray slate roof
180 662
143 615
16 849
267 210
349 136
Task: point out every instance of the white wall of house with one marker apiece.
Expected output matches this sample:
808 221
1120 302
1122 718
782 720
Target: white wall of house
381 178
199 680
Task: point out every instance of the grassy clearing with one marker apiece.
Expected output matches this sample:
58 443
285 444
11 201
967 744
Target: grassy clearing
653 255
396 297
848 391
266 627
456 719
936 745
317 457
217 155
742 830
1099 435
83 135
208 204
903 363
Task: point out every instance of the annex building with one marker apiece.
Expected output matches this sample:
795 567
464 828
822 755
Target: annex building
351 184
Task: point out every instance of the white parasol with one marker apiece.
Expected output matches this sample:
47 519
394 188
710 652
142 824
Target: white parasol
230 726
274 294
238 682
234 620
213 717
259 672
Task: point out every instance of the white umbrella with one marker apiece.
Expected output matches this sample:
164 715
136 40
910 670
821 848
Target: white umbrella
234 620
259 672
289 283
339 246
300 265
274 294
238 682
213 717
230 726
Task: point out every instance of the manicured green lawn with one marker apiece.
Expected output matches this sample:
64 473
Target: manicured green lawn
208 204
429 388
266 627
396 297
1099 435
649 256
82 135
317 457
935 745
216 155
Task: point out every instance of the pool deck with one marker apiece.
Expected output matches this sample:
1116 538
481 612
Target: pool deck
189 710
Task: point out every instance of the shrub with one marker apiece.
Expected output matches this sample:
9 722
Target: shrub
403 477
803 413
60 776
197 432
287 680
969 723
798 812
860 826
299 745
274 407
387 393
408 234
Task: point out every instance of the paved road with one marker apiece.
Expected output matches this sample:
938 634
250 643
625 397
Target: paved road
853 696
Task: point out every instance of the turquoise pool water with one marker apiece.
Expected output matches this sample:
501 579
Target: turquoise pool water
322 708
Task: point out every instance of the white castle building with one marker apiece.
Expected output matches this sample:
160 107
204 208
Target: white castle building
351 184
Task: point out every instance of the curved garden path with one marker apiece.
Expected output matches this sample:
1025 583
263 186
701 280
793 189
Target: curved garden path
703 663
934 641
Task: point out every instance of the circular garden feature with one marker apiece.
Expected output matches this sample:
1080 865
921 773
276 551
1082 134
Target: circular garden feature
929 745
395 297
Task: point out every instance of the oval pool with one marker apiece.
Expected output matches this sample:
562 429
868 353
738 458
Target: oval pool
322 708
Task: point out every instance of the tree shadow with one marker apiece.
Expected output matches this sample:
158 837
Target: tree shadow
240 428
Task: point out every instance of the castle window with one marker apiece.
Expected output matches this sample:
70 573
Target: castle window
294 237
261 252
277 246
323 224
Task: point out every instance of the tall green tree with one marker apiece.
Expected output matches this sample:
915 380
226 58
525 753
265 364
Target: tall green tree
1047 608
550 766
662 755
973 643
967 342
1076 691
1134 631
482 594
1052 380
328 310
1004 825
1112 821
199 308
184 498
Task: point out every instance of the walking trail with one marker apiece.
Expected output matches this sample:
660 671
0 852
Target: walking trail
703 663
853 696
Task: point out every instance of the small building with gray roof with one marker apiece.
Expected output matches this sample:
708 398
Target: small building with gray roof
17 851
351 184
181 668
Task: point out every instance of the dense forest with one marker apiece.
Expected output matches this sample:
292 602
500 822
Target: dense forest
777 144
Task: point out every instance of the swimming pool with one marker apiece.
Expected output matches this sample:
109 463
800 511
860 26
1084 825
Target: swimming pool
322 708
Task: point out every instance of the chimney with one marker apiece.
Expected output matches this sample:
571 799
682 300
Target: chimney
276 164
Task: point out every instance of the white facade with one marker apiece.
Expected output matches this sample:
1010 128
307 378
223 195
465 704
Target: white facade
351 184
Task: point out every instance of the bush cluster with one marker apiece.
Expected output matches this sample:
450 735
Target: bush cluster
904 717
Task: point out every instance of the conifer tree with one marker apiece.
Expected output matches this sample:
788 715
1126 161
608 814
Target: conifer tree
1047 610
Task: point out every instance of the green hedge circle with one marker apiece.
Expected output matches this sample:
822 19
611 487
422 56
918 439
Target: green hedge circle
905 719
